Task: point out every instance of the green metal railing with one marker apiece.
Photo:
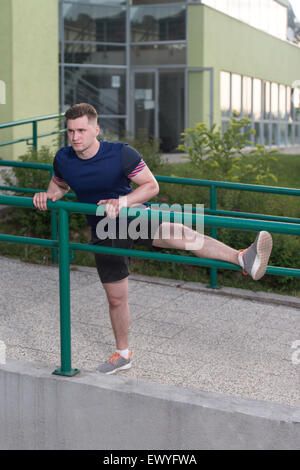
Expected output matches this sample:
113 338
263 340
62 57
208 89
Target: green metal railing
242 221
34 136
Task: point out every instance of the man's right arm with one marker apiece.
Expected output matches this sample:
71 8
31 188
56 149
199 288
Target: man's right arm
56 190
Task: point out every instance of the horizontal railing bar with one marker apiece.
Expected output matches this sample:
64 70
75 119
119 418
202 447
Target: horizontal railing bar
186 181
36 166
208 211
16 141
49 133
30 190
249 215
228 185
189 218
30 120
28 240
191 260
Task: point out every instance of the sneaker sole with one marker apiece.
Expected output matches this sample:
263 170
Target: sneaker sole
263 249
127 366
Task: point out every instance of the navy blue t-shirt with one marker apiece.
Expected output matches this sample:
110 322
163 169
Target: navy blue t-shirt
106 175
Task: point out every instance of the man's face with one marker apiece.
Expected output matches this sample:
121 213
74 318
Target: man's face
82 133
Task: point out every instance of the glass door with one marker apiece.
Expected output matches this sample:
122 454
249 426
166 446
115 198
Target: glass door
145 103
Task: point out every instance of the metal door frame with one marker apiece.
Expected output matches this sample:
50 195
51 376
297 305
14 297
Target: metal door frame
143 69
155 70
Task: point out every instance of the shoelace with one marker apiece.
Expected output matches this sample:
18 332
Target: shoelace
243 271
114 358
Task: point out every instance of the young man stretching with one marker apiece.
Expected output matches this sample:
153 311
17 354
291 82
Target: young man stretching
101 173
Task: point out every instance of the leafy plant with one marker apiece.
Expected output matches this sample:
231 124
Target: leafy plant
228 156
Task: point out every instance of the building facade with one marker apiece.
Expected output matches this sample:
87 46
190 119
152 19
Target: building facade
154 65
164 65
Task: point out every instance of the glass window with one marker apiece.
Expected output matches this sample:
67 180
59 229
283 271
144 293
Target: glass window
93 53
293 34
150 2
288 103
171 108
267 15
274 134
274 101
296 103
283 130
266 134
236 88
158 54
100 2
247 96
257 99
267 98
103 88
257 136
225 93
158 23
290 134
94 23
297 134
282 101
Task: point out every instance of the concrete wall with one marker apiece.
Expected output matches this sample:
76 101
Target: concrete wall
224 43
88 411
29 67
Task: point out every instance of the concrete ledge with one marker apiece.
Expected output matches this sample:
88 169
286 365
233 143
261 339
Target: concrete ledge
42 411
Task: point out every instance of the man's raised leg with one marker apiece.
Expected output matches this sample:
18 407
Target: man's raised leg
253 260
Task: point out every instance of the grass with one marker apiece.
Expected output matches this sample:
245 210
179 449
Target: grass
286 168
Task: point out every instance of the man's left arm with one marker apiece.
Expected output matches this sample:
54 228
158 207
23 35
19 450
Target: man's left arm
147 188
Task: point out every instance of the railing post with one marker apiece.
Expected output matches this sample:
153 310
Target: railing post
64 288
54 232
213 233
34 135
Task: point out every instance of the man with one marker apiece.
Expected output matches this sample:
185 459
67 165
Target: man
101 173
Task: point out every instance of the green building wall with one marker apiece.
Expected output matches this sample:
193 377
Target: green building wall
29 68
224 43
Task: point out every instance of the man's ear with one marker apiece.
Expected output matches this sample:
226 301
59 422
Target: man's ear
97 130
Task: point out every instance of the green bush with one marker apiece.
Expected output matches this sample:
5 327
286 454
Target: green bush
32 221
149 148
223 157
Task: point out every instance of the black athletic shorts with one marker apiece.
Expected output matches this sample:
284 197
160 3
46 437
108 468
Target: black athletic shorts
112 268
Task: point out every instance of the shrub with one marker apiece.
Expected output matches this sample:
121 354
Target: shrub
32 221
223 157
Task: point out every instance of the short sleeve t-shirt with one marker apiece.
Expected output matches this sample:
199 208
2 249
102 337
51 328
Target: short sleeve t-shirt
106 175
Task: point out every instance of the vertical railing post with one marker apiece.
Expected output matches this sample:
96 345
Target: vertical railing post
54 233
213 233
34 135
64 288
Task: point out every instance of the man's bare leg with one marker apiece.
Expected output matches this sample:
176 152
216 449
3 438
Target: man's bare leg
168 236
253 260
117 296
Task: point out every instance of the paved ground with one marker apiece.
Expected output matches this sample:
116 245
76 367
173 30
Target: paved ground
181 333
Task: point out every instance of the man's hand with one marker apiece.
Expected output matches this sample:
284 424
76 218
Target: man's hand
40 200
113 206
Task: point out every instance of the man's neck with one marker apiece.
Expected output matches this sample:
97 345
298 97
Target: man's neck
90 152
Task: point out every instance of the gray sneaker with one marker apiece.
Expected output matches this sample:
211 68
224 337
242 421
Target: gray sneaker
115 363
256 257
